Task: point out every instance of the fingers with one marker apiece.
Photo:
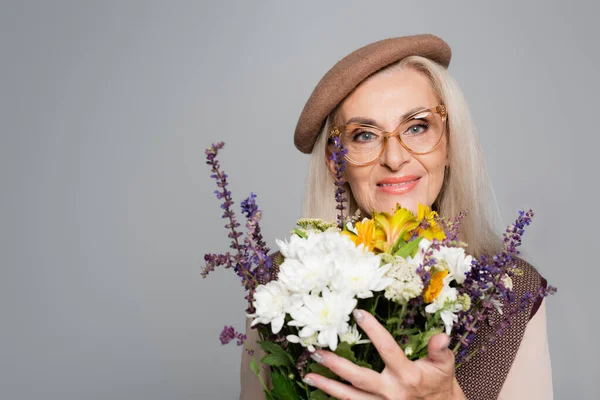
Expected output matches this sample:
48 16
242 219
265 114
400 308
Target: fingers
338 389
361 378
438 351
390 352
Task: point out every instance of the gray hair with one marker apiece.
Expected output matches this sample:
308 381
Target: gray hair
466 185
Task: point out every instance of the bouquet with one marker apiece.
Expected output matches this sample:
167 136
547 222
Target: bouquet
410 271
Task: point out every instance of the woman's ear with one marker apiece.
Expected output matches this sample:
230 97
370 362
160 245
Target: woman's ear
329 162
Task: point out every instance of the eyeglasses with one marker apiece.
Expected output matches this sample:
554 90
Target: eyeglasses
419 133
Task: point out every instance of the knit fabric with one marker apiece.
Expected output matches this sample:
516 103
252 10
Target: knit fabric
482 377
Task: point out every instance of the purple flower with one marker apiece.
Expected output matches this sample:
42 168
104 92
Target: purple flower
338 158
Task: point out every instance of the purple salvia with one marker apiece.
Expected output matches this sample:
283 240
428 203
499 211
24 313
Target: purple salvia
452 228
225 195
338 157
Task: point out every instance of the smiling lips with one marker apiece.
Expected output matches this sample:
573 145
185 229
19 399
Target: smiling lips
398 185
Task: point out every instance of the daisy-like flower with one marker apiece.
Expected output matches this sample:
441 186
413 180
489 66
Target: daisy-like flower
308 342
327 316
271 302
353 337
447 303
360 274
455 261
406 285
310 267
312 274
295 247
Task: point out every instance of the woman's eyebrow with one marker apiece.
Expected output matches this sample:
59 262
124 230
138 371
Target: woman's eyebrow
371 121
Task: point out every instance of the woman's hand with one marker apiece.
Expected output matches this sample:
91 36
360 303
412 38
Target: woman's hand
428 378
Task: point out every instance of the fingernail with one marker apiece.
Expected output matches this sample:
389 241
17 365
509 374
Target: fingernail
308 381
358 315
445 343
317 357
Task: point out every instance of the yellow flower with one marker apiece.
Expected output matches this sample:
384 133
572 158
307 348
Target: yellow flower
434 230
436 284
388 228
365 234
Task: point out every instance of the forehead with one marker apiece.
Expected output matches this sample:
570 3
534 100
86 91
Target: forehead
387 95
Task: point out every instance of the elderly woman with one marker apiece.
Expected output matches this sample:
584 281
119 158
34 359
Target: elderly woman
410 140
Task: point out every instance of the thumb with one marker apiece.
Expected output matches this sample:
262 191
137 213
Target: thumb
438 351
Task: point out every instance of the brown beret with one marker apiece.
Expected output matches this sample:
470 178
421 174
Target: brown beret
351 70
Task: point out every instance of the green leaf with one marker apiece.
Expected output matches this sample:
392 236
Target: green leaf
364 364
300 233
269 395
399 243
274 348
254 366
410 249
276 360
283 388
319 395
343 350
322 370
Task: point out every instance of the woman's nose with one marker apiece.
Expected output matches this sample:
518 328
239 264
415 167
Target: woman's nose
394 155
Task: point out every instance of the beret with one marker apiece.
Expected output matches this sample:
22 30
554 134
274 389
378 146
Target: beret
351 70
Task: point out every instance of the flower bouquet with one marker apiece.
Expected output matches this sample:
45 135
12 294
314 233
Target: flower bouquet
410 271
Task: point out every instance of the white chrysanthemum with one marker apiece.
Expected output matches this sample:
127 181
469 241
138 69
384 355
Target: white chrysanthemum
359 274
447 303
353 337
311 263
327 315
308 342
406 285
271 302
313 273
455 261
295 247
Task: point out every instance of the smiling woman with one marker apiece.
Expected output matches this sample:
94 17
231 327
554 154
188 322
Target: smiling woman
410 140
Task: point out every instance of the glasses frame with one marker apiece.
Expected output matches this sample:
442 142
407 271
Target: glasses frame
439 109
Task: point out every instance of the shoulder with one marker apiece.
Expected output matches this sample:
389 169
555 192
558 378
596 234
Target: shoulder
528 281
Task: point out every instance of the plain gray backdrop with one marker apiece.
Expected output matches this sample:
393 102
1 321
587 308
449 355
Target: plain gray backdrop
107 207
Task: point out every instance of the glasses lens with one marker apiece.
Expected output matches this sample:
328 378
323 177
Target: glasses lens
364 143
421 133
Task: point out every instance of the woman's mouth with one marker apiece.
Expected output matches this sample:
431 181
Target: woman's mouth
398 185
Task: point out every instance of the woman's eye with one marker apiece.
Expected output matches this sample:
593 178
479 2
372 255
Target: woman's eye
417 129
364 136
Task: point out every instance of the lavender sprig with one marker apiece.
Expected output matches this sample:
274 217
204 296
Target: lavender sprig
222 193
485 285
251 260
338 157
255 243
229 333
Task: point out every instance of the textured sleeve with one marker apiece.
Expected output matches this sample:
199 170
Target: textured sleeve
530 376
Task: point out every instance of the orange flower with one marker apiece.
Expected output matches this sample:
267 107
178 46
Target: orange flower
365 234
436 284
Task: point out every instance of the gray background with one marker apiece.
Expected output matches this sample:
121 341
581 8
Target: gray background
107 206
